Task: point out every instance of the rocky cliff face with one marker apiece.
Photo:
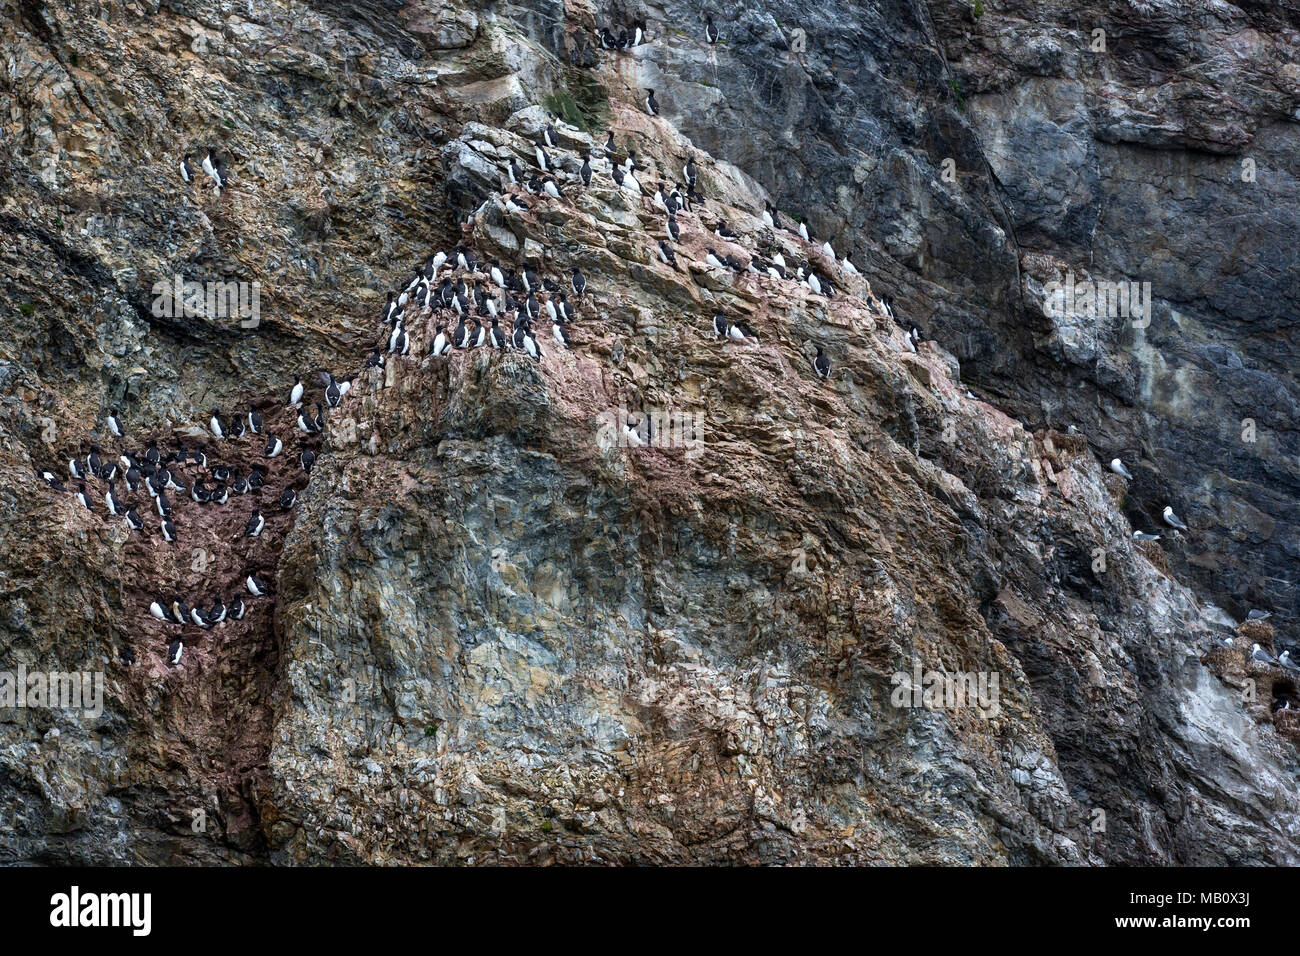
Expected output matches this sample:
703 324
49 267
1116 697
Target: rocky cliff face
501 630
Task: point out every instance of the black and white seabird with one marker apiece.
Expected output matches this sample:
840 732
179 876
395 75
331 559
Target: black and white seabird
1117 466
174 650
441 343
255 585
113 502
1172 519
237 608
822 364
84 497
651 106
114 423
187 171
578 282
307 459
666 253
168 529
334 390
674 229
710 32
254 421
530 344
158 610
561 336
51 479
287 498
133 520
273 445
255 524
1286 661
720 325
215 426
585 173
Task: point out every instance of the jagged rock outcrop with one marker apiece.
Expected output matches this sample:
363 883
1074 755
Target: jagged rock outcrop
502 632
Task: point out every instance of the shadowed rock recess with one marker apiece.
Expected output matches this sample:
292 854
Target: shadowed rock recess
502 630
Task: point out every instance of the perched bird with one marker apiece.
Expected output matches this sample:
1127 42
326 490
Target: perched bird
255 524
187 171
287 498
114 423
113 502
1143 536
579 283
52 480
561 336
1258 615
651 106
307 460
710 32
1257 653
822 364
174 650
214 425
720 324
254 421
1172 519
441 343
1117 466
255 585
